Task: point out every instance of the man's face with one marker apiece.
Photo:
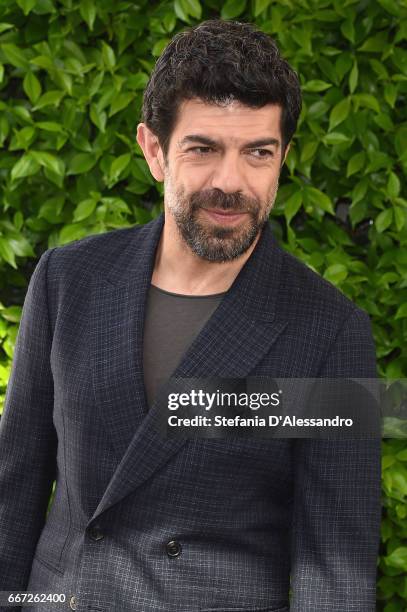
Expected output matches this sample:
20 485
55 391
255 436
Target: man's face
221 175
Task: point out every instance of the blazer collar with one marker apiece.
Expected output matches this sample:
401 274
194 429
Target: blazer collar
240 332
254 287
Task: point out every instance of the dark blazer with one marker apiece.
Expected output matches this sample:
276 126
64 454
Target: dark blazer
148 523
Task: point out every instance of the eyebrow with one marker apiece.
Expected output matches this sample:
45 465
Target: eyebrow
210 142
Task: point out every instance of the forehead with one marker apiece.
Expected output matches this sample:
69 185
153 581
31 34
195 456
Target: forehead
234 122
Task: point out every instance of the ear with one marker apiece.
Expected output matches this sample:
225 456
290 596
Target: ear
150 146
286 153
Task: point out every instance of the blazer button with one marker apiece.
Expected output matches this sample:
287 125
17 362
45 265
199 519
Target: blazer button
72 602
173 548
95 533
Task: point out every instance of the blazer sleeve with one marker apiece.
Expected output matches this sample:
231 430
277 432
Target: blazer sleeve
337 498
28 439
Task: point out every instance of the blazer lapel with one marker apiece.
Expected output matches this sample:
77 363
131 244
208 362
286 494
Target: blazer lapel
240 332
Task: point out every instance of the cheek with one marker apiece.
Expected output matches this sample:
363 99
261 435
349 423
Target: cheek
195 177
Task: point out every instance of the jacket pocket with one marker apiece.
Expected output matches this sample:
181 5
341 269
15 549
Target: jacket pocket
46 579
49 565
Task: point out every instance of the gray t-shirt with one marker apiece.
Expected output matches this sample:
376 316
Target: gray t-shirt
172 321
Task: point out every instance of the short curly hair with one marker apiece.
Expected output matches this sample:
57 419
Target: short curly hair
216 61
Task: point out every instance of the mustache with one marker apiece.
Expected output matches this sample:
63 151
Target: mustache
216 198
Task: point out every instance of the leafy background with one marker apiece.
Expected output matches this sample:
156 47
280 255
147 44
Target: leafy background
72 75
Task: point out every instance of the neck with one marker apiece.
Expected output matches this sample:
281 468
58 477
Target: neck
178 269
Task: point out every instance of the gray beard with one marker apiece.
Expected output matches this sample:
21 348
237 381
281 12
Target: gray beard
217 244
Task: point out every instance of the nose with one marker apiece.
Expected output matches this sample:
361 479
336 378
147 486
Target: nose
228 173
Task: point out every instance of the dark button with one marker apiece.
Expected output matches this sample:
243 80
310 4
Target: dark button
173 548
72 602
95 533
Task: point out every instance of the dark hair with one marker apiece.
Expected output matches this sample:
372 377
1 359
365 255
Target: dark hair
212 61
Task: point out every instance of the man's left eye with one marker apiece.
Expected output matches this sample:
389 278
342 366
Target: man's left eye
265 151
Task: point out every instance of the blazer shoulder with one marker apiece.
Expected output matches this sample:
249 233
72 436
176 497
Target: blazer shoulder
90 256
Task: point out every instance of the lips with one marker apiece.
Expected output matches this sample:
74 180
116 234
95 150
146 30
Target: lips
223 217
225 213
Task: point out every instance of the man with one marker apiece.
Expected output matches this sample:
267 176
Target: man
151 523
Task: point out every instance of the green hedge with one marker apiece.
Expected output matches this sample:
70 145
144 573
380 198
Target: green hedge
72 75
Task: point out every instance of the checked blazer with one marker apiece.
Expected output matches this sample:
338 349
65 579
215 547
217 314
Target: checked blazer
150 523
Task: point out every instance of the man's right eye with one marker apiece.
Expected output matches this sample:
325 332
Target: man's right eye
200 150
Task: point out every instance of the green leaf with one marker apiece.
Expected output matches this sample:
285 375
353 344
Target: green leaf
15 55
356 163
32 86
26 5
96 83
316 85
379 69
401 311
43 61
26 166
398 558
81 163
193 7
72 231
292 205
367 101
375 43
308 151
4 129
343 65
50 126
141 171
316 197
402 455
353 77
317 109
339 113
393 185
50 98
400 217
12 313
6 26
137 81
260 6
384 121
348 29
400 140
84 209
160 46
390 94
384 219
169 21
22 113
378 160
62 79
391 7
233 8
23 138
108 55
336 273
119 165
120 102
7 253
180 11
49 161
87 10
335 138
20 245
98 117
51 209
